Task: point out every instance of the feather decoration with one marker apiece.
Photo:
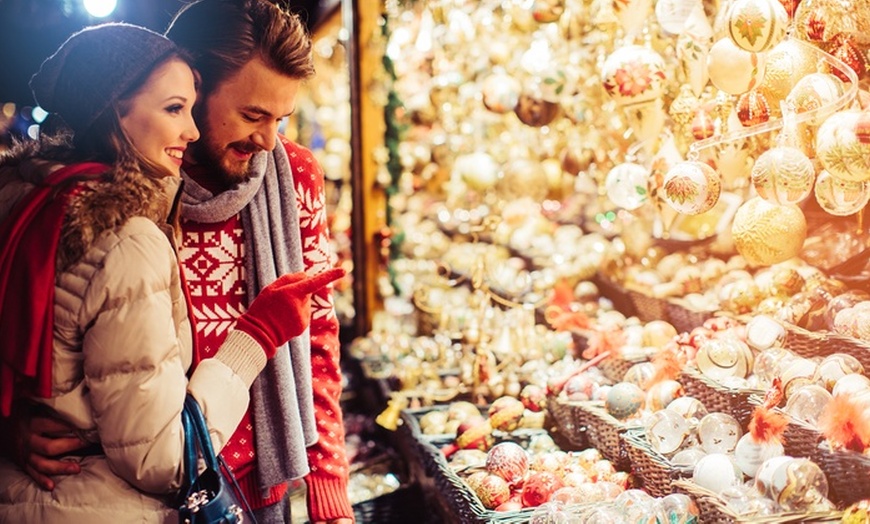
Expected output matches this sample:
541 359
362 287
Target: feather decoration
768 425
844 425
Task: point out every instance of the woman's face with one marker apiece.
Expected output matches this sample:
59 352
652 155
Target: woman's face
158 118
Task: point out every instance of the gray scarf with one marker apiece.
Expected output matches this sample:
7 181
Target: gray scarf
283 415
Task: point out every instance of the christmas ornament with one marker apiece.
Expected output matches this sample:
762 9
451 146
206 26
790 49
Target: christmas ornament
840 197
661 394
666 431
538 488
626 185
534 111
509 461
492 491
624 400
750 455
547 11
633 74
693 46
752 108
839 148
690 408
632 14
719 432
691 188
679 508
716 472
796 484
756 25
501 92
505 413
815 92
835 366
734 70
766 233
785 65
783 175
719 358
807 403
673 14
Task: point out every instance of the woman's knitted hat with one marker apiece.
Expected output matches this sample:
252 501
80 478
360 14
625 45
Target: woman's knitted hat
94 67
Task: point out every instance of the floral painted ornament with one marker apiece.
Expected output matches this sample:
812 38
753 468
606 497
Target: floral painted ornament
757 25
633 74
693 45
815 92
626 185
691 188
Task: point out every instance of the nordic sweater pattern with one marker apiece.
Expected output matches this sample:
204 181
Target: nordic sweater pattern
212 258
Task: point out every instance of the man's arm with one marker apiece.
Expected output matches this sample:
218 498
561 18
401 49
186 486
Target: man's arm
327 482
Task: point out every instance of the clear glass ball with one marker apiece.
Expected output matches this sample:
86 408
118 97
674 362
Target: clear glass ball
719 433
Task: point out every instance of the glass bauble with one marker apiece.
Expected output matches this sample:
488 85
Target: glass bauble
783 175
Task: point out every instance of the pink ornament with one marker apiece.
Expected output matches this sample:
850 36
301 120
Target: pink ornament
539 487
509 461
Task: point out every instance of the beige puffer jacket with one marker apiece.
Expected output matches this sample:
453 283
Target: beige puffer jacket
122 349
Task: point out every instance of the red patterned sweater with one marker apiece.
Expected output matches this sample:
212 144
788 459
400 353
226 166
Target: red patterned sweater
212 258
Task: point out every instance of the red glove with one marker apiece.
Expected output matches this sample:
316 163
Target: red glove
282 310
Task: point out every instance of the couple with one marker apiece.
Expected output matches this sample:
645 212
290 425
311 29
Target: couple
102 280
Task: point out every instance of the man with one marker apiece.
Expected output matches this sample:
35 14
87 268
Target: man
254 209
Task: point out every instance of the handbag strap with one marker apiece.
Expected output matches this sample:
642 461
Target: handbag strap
190 454
200 432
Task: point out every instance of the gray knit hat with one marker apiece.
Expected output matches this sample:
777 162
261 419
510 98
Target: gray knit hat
94 67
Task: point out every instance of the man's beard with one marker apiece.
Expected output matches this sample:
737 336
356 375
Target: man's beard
215 157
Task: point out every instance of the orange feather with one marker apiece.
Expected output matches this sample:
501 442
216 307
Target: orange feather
667 365
843 423
767 425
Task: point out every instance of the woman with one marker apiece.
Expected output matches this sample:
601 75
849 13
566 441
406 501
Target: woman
87 236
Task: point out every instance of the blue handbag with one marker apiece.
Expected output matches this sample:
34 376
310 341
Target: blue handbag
213 496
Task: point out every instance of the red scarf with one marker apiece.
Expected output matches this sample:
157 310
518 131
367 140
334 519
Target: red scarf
28 248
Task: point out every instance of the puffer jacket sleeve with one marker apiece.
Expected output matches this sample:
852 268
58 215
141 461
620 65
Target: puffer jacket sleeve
136 357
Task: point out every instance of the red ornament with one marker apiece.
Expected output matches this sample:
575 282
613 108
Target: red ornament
473 433
816 24
702 125
533 397
509 461
752 108
846 51
790 6
539 487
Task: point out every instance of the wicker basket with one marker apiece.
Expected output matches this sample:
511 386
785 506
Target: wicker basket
799 439
587 424
810 344
648 308
848 474
652 468
616 293
614 368
716 397
685 318
562 415
714 511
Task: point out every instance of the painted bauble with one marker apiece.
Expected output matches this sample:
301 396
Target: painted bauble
433 422
509 461
798 373
719 358
505 413
657 333
794 483
703 125
783 175
501 92
785 65
750 454
756 25
533 397
719 432
752 108
679 508
633 74
845 49
734 70
661 394
692 187
624 400
547 11
539 487
765 233
534 111
690 408
840 197
492 491
840 150
666 431
816 92
835 366
580 387
639 374
626 185
474 433
717 472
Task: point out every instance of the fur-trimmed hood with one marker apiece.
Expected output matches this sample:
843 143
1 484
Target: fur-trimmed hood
103 204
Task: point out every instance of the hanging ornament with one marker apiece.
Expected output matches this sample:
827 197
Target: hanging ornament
626 185
682 112
633 74
752 108
840 149
693 46
843 47
790 6
783 175
734 70
534 111
691 188
840 197
703 125
818 21
757 25
501 92
785 65
766 233
647 120
815 92
672 14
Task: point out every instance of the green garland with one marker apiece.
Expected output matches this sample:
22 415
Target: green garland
392 139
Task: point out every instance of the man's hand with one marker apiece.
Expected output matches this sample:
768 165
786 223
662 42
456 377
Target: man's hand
37 441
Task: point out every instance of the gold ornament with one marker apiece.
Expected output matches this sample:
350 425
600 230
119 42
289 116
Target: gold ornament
787 63
752 108
766 233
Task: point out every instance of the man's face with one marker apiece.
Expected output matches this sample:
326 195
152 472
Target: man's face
240 117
